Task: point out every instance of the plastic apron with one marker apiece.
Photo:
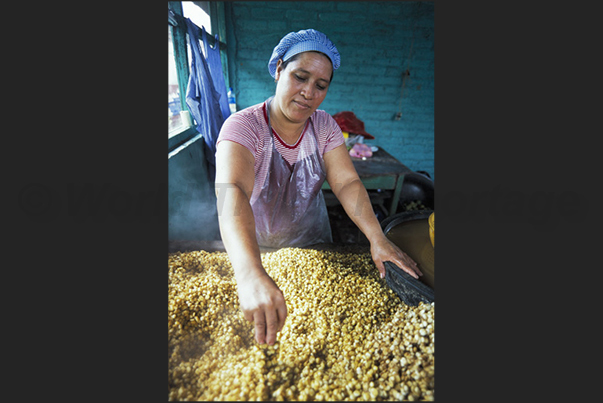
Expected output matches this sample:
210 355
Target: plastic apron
290 209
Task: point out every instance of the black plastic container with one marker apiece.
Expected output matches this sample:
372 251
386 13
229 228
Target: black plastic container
410 232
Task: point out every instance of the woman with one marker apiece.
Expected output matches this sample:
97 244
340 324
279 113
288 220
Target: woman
271 161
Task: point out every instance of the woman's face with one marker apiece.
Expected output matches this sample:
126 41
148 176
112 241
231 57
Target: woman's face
302 85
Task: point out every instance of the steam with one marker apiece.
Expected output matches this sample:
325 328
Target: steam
192 211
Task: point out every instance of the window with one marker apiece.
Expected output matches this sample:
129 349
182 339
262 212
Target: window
198 12
175 118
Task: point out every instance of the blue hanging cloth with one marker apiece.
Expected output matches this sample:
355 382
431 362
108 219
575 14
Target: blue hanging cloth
203 100
215 68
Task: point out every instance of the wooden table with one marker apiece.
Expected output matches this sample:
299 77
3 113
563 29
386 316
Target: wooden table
381 171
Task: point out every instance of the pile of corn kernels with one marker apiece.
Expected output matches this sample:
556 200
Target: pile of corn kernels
347 336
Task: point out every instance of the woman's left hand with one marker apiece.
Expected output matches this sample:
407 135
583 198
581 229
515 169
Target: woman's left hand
383 250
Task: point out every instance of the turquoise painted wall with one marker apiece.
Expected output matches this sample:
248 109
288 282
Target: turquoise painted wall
378 42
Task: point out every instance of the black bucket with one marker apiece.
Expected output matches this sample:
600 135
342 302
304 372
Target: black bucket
409 231
417 187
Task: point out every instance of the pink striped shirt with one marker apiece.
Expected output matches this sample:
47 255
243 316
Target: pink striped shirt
249 128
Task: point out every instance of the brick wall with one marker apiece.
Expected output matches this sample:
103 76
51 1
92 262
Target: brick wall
378 41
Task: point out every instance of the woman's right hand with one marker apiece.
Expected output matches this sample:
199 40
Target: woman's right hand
260 299
262 303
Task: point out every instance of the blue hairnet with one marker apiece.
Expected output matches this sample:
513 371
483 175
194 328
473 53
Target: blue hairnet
303 41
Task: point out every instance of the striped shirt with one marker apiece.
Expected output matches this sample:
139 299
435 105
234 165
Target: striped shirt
249 128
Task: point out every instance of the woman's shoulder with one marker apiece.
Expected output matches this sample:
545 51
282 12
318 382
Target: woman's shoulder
325 122
253 115
246 127
321 115
250 121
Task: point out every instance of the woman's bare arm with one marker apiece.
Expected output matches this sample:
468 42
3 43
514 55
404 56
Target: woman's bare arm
351 193
261 301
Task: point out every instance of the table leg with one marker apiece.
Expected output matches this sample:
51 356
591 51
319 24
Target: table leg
396 197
